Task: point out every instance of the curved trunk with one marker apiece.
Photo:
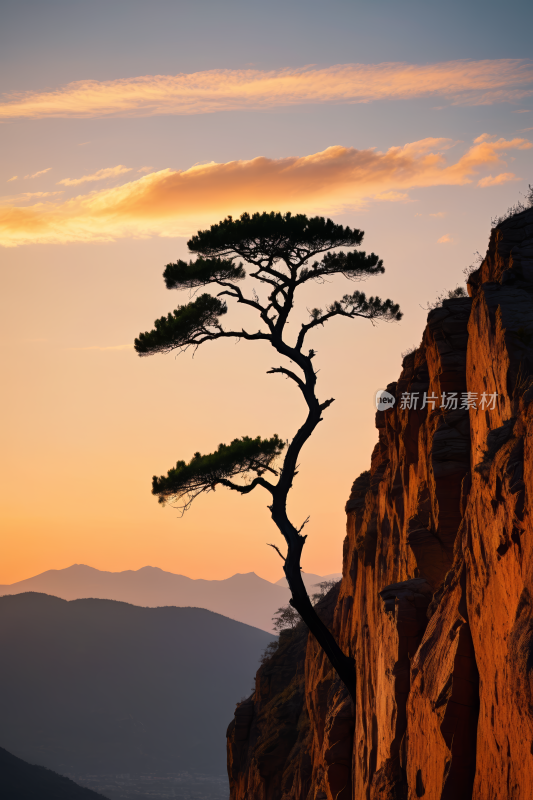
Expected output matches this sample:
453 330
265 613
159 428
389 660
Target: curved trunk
343 664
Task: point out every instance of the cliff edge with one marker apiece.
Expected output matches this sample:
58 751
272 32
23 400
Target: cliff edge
436 599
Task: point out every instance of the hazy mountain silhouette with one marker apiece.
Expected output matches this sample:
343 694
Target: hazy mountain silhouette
310 580
244 597
98 686
22 781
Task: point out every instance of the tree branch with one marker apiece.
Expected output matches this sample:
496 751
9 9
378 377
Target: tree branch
289 374
326 403
235 292
250 487
351 306
304 523
222 334
278 551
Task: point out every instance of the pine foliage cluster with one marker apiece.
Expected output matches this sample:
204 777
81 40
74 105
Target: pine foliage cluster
203 472
183 275
181 326
272 235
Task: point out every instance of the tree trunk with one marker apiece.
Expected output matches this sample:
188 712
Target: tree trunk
343 664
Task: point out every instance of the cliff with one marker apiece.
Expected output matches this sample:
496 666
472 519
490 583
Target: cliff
436 599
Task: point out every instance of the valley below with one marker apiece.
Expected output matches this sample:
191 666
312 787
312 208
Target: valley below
166 786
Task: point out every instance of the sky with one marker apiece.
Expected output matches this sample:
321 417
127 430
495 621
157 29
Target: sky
125 127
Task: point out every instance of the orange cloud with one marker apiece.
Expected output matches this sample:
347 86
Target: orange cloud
108 172
460 82
503 177
14 178
23 197
444 239
176 203
41 172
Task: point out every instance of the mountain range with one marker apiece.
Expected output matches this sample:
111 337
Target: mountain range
23 781
243 597
100 686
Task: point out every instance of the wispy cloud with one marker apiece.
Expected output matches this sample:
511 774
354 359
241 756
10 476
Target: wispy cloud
108 172
96 347
175 203
438 214
14 178
24 196
41 172
503 177
444 239
458 82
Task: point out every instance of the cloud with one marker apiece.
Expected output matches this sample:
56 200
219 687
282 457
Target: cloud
108 172
41 172
523 111
96 347
444 239
438 214
459 82
503 177
392 196
175 203
14 178
23 196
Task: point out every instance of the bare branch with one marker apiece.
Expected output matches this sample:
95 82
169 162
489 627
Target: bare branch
289 374
236 294
326 403
278 551
304 523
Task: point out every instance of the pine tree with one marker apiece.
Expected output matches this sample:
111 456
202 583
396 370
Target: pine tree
284 253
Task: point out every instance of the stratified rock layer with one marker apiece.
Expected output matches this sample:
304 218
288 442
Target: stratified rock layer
436 599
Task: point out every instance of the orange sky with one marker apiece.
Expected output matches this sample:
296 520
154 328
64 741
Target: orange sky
103 176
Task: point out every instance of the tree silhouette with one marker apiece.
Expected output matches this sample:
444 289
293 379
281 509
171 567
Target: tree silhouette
282 251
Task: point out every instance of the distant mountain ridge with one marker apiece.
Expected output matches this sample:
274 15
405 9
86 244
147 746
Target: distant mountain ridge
243 597
22 781
100 686
310 579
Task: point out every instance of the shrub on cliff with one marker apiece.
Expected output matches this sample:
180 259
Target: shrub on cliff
447 294
285 252
285 618
517 208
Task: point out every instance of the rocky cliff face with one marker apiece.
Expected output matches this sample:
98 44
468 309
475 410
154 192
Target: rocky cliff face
436 599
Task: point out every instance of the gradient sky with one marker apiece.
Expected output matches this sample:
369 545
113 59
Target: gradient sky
125 126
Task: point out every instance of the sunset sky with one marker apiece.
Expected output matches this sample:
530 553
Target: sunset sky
125 126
